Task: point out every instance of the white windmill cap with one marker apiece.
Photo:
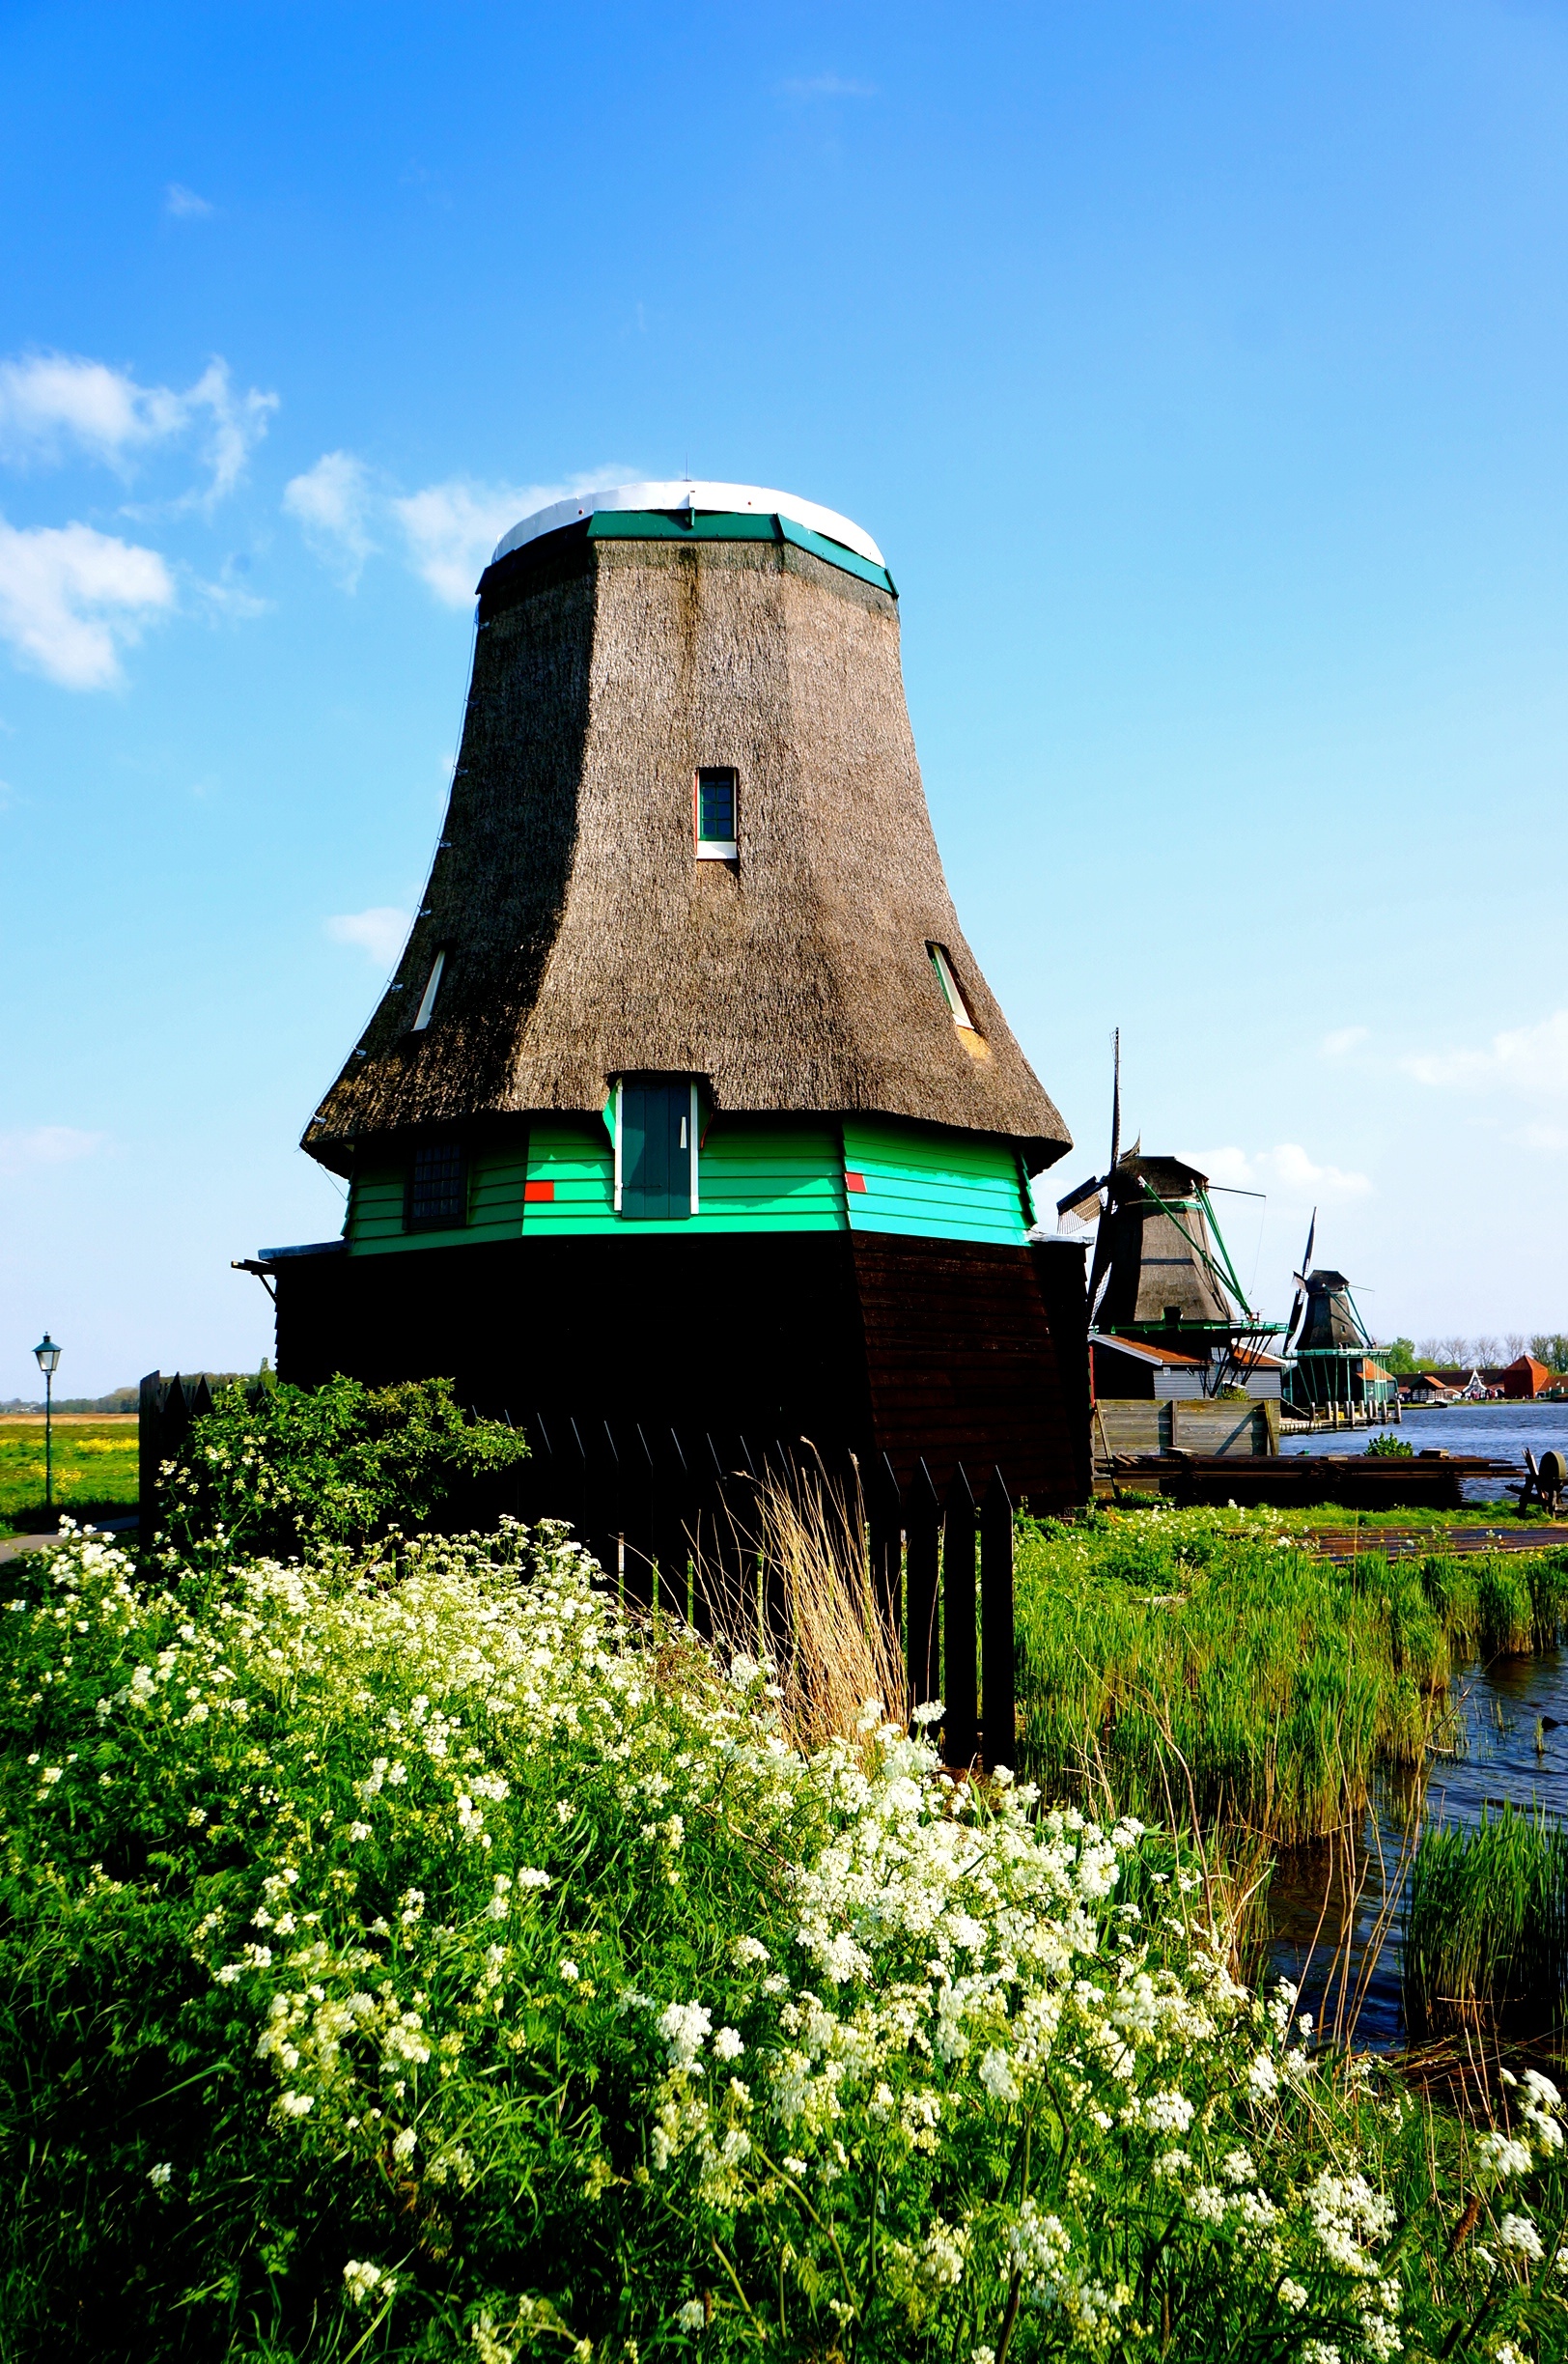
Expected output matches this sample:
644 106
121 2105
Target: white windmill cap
688 492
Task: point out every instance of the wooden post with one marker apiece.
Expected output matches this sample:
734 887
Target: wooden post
960 1738
885 1520
922 1528
637 1512
996 1643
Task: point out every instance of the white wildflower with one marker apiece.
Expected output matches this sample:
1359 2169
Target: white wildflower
364 2281
692 2317
158 2175
1291 2295
1519 2234
1504 2155
684 2026
727 2045
997 2076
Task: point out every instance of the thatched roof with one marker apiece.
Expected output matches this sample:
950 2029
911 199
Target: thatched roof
582 939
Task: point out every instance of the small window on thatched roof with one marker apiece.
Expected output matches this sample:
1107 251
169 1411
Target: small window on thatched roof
437 1188
427 1000
950 988
716 815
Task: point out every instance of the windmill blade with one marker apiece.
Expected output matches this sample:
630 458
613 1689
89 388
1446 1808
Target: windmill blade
1298 1311
1084 1204
1115 1097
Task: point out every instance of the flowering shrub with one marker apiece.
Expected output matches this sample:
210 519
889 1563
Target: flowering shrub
279 1469
410 1960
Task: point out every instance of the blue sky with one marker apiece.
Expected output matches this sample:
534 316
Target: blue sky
1200 369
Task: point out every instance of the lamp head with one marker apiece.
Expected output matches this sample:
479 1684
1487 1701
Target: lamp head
48 1354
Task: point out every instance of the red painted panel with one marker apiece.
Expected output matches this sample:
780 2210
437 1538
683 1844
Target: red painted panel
539 1193
854 1181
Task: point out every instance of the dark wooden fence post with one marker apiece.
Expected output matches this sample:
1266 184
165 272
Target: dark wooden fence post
922 1528
885 1519
637 1518
996 1625
959 1738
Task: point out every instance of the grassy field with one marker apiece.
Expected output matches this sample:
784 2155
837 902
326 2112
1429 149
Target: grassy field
94 1470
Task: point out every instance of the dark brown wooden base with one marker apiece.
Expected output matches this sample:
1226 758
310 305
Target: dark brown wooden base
959 1357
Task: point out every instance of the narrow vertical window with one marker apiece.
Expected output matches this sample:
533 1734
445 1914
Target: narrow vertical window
655 1149
717 833
427 1000
949 984
437 1188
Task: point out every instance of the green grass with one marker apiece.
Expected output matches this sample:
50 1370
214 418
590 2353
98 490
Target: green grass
1175 1663
95 1469
1486 1940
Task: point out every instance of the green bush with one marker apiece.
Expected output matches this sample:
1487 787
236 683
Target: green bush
273 1470
407 1959
1388 1446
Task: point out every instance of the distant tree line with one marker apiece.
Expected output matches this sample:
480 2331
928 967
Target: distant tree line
1484 1353
128 1398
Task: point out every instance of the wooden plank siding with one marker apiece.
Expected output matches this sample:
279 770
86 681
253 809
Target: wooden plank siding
963 1367
1140 1426
930 1182
374 1225
753 1174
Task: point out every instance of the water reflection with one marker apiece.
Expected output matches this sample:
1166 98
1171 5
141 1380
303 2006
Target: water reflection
1337 1907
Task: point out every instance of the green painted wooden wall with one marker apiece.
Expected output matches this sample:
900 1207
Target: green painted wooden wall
929 1182
755 1173
495 1204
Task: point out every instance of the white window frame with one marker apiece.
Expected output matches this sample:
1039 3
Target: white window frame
427 1000
696 1144
714 849
949 984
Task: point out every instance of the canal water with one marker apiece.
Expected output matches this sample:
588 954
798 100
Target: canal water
1499 1430
1336 1909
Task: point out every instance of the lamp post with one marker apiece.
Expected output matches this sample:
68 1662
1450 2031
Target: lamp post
49 1356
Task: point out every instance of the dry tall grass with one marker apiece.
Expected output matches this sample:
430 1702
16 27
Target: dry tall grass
793 1588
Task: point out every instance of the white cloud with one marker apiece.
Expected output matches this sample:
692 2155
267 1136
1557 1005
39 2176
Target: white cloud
380 931
1531 1061
184 203
448 530
453 527
333 502
1343 1039
69 596
46 1146
1286 1174
50 403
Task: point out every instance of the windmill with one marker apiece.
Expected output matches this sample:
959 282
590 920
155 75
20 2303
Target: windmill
1161 1269
1333 1364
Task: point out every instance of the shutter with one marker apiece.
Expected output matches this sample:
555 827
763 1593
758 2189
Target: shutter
657 1149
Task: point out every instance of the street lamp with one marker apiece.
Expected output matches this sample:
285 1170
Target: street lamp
49 1356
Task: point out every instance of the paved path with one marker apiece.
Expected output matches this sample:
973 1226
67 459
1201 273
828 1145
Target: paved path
124 1530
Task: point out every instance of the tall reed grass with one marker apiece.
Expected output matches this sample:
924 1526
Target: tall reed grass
792 1589
1486 1937
1266 1684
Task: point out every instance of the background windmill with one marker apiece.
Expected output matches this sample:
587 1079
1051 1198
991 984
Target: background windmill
1162 1271
1333 1367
